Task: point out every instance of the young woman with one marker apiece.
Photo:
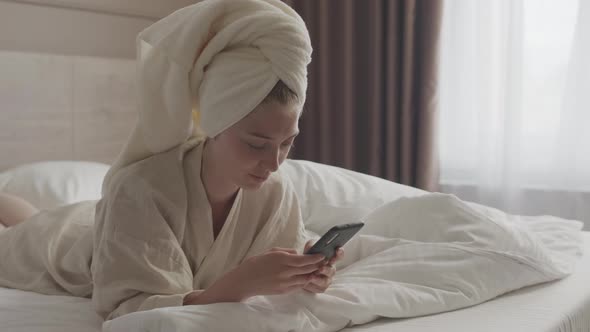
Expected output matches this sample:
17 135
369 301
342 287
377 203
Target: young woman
188 220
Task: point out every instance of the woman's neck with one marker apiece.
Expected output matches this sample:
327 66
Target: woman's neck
219 190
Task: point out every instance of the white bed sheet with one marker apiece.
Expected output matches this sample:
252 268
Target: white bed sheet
562 306
22 311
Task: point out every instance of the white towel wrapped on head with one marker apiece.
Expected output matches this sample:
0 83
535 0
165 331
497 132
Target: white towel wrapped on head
220 57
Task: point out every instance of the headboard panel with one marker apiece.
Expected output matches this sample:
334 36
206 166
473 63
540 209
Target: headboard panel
55 107
67 76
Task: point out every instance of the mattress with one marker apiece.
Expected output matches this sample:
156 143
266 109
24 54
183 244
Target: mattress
562 305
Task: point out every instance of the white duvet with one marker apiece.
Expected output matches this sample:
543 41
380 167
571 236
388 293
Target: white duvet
415 256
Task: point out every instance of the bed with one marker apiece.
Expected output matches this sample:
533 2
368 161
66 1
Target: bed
328 193
557 306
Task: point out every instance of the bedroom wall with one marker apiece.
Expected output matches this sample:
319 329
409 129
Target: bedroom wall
67 76
44 29
105 28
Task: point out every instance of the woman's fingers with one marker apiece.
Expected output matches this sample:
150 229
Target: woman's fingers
313 288
307 269
311 273
327 270
320 280
289 250
318 284
303 260
300 280
338 256
293 288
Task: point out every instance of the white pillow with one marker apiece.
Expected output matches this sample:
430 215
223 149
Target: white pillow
54 183
331 195
328 195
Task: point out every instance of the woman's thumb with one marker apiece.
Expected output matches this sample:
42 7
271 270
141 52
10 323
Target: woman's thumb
308 245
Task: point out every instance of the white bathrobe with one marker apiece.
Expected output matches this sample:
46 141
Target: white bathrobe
153 237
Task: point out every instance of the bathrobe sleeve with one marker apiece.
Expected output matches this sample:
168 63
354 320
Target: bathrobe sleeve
138 263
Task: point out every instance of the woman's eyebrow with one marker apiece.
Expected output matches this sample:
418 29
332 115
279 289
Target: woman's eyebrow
270 138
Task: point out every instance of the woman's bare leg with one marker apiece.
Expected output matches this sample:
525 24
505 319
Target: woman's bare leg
14 210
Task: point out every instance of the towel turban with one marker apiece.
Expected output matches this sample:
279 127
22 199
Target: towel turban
219 58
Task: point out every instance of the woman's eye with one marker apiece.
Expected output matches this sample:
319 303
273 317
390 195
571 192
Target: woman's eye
256 147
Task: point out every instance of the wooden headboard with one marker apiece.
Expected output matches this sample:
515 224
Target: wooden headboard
67 76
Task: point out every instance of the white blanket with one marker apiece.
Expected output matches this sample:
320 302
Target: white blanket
416 256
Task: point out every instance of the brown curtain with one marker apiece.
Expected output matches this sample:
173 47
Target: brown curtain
372 95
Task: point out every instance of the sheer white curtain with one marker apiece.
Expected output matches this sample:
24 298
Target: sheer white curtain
515 105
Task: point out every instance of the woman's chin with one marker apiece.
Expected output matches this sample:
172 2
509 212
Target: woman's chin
252 183
251 187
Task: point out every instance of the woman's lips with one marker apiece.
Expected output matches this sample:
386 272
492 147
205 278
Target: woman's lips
259 178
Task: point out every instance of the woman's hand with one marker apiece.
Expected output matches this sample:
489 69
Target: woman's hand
192 297
277 271
322 279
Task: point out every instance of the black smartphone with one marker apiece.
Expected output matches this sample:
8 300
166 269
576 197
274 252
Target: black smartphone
335 238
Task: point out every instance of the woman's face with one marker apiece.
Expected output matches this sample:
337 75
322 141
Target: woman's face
249 151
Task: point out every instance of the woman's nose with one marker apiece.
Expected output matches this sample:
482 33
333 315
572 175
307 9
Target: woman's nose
272 161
